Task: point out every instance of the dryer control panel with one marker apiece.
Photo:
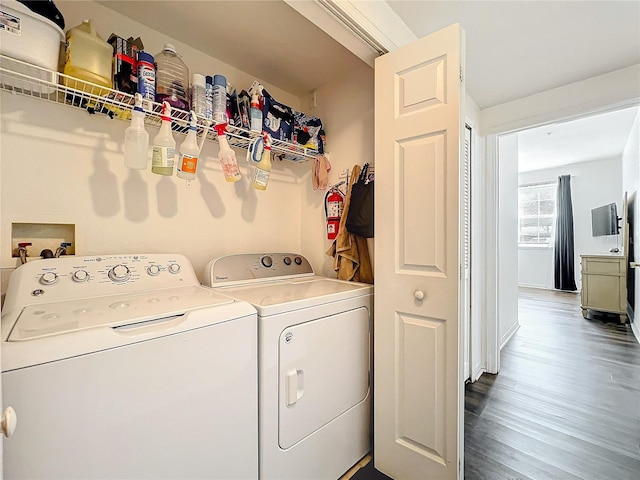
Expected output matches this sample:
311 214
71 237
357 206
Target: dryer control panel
247 267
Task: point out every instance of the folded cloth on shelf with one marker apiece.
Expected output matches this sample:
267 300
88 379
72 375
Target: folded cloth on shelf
350 252
320 172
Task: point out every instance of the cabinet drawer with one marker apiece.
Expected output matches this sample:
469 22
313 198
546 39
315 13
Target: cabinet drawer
603 266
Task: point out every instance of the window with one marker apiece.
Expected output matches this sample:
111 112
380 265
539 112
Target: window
536 213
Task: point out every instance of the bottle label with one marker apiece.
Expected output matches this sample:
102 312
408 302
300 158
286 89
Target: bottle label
163 156
187 163
261 177
230 168
147 80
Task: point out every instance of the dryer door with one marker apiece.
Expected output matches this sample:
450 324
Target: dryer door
324 371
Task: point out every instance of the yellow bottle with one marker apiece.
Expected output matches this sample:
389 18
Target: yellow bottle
88 58
263 167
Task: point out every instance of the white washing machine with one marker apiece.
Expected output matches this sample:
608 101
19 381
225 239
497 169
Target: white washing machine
314 363
126 367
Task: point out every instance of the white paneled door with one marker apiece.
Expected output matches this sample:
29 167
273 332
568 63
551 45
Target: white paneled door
418 383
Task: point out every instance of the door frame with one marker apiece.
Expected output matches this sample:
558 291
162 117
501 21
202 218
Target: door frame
552 115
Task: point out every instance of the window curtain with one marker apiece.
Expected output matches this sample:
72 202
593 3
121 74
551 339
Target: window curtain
564 275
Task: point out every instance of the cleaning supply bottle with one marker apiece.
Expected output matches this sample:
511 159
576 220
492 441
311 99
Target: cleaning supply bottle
256 113
263 167
219 99
136 139
87 57
189 152
227 156
172 78
199 95
164 146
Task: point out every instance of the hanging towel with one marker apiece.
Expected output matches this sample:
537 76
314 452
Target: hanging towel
320 172
349 251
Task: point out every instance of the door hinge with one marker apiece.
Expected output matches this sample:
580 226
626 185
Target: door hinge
461 74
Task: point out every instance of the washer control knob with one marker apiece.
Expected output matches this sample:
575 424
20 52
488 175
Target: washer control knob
287 261
153 270
80 276
298 260
48 278
267 261
174 268
119 273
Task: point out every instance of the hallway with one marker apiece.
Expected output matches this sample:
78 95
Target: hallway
566 404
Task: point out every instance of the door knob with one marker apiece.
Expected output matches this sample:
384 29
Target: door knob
418 295
8 421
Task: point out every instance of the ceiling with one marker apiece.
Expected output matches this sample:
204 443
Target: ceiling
513 49
591 138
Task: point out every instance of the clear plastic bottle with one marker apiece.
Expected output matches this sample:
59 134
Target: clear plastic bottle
164 146
263 167
87 57
189 152
136 139
227 156
199 95
172 78
219 99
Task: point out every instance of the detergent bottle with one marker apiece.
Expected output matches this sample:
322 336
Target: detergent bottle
164 146
263 167
227 156
189 152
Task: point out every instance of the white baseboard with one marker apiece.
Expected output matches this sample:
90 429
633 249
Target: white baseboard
477 372
510 333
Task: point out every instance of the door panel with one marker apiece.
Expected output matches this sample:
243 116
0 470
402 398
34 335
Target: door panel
418 394
324 371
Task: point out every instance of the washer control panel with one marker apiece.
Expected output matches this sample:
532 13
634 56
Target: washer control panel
70 277
256 266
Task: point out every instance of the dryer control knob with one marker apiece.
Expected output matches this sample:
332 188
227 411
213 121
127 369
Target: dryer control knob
267 261
119 273
153 270
48 278
287 261
298 260
80 276
174 268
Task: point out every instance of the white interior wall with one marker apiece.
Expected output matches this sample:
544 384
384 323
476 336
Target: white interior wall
345 106
593 184
631 185
61 165
508 237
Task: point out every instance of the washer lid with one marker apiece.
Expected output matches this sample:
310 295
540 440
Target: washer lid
114 311
293 294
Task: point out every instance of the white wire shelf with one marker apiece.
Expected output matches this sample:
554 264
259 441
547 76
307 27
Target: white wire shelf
33 81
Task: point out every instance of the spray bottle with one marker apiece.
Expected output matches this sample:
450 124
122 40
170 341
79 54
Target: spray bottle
164 146
227 156
256 113
189 152
263 167
136 139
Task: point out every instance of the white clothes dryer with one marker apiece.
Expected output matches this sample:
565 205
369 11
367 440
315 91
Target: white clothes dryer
124 366
314 363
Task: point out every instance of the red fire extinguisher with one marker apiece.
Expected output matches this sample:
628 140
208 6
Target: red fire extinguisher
333 208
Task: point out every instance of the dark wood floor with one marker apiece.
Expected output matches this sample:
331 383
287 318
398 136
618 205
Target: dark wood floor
566 404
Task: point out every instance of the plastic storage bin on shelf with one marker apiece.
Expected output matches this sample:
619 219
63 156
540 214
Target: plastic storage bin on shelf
31 38
87 58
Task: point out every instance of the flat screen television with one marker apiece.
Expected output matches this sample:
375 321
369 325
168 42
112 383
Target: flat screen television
604 220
